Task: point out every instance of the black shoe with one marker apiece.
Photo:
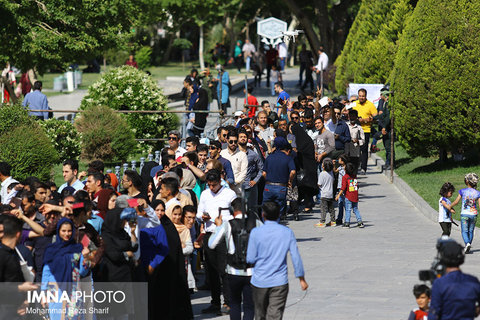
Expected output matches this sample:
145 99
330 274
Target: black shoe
339 222
346 225
296 217
361 225
212 309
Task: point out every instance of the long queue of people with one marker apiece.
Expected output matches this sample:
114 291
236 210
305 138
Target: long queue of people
170 218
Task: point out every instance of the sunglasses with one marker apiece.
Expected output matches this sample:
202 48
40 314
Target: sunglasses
213 148
224 135
294 118
338 113
232 141
172 138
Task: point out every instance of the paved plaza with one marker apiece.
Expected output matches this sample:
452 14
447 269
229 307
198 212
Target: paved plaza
362 273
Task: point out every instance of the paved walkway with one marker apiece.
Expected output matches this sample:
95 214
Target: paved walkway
362 273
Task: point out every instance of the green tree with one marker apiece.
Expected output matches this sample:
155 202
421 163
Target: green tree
365 28
47 33
126 88
377 59
436 78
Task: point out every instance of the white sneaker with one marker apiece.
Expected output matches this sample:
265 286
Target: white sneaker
467 248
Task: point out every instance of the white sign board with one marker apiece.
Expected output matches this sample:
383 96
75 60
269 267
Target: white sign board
373 91
271 28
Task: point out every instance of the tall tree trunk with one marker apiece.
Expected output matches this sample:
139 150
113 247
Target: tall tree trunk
292 27
200 48
306 24
166 56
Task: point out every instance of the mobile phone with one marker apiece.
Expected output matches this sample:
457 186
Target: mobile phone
280 101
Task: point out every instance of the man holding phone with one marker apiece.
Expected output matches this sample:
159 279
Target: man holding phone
212 199
283 96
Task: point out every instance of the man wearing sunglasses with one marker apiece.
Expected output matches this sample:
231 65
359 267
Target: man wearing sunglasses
174 143
238 159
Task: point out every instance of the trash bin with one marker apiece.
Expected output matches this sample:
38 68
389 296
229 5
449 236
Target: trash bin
70 80
78 78
58 83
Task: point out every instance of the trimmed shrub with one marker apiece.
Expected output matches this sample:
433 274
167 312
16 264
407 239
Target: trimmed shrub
105 135
29 151
126 88
143 57
12 116
64 137
436 78
365 28
377 59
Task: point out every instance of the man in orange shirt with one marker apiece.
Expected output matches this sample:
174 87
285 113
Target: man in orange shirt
366 111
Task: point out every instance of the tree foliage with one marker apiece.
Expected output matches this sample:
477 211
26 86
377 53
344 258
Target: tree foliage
105 134
126 88
64 137
365 28
436 77
46 33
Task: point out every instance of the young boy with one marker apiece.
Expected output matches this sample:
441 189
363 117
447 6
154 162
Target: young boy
444 213
350 189
468 215
325 184
422 295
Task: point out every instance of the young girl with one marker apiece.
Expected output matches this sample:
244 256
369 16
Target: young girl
444 211
342 161
325 184
468 215
350 189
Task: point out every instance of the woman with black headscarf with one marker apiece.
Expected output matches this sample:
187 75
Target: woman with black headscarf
200 120
307 170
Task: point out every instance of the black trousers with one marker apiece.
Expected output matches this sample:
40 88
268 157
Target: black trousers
446 228
240 291
269 67
215 262
364 152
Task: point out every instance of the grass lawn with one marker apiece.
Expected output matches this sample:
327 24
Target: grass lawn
426 175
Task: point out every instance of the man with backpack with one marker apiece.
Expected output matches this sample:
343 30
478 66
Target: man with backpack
236 233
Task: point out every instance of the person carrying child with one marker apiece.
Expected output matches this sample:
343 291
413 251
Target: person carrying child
422 294
444 213
325 184
469 196
350 189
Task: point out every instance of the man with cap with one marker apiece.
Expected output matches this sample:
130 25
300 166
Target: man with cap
279 171
456 294
237 116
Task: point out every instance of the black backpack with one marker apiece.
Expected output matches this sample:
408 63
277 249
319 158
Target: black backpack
240 233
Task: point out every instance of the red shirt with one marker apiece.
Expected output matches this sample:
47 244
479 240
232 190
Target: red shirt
350 187
252 110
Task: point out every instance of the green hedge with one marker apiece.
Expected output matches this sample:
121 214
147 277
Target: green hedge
436 78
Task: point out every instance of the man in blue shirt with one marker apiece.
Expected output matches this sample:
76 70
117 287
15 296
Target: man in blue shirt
36 100
278 171
268 247
282 95
455 294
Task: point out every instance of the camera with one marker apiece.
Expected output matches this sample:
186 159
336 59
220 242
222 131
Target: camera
448 253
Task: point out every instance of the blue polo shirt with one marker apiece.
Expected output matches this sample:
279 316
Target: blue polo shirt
278 167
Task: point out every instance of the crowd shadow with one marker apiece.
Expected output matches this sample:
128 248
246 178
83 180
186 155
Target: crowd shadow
309 239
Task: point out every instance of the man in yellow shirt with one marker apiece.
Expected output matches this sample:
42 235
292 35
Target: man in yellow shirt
366 111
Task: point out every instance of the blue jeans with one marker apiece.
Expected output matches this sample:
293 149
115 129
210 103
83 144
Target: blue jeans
282 64
247 63
468 228
277 194
349 205
341 206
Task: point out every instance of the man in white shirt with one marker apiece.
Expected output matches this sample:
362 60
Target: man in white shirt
282 54
238 159
174 143
322 64
248 50
211 200
6 180
70 171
